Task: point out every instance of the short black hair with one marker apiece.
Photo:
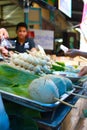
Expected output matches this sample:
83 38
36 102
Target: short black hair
21 24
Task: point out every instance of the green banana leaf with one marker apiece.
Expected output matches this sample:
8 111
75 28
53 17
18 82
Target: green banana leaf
21 118
17 82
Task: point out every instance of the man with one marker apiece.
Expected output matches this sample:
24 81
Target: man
4 121
22 42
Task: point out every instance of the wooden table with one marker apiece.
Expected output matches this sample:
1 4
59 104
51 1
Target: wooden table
75 120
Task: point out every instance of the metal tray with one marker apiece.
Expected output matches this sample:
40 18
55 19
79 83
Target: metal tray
71 75
32 103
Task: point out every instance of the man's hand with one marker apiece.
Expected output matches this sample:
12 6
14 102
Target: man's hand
3 33
72 53
4 51
83 71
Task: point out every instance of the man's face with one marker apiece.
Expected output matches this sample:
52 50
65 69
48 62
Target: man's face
22 32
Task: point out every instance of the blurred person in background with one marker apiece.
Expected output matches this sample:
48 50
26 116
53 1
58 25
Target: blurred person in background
22 42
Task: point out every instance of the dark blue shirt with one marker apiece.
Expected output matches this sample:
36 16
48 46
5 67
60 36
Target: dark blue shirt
27 45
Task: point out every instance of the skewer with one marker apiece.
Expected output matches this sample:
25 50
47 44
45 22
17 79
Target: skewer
79 95
28 51
16 52
82 58
75 86
66 103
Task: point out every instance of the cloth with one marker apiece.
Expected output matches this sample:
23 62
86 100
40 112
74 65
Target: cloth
83 27
28 45
4 121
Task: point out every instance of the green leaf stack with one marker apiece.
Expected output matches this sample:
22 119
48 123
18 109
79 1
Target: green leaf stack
17 82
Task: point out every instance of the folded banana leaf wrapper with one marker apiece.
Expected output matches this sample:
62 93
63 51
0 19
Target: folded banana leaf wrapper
16 82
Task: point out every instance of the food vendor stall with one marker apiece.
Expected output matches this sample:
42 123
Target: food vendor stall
21 108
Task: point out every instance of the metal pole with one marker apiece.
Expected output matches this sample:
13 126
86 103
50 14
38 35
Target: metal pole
26 11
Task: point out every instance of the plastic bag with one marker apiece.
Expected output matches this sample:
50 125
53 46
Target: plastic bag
5 43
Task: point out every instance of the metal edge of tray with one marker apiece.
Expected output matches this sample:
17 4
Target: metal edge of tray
72 78
32 103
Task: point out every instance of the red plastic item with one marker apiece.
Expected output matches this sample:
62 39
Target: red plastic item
31 34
